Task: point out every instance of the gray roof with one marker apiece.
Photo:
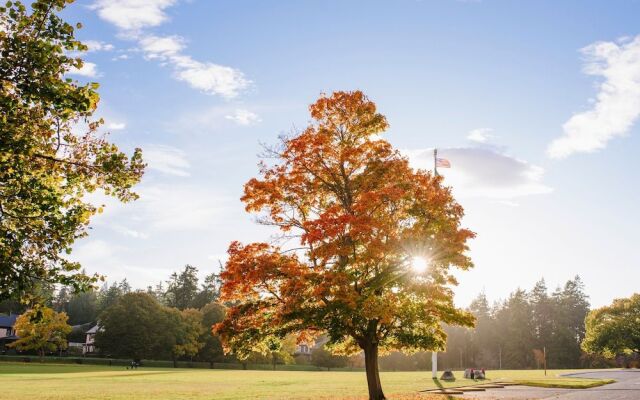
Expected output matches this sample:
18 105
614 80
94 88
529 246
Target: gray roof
95 329
8 321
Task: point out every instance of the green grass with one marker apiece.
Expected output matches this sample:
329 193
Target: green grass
86 382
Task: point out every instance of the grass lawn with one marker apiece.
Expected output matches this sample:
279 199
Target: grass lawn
84 382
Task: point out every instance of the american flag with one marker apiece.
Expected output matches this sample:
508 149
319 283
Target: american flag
443 163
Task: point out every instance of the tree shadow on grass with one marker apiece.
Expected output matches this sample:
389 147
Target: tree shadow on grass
436 381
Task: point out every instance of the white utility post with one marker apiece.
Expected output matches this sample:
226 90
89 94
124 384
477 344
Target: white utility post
434 365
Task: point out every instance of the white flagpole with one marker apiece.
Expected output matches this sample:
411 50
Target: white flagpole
435 161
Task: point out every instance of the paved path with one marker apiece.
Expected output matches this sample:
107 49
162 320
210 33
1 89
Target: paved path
626 387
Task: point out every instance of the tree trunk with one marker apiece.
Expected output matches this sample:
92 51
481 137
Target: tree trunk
373 374
41 351
274 361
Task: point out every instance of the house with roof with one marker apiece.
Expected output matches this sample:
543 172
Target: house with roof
90 339
7 331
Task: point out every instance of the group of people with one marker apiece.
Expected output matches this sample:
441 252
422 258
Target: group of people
133 365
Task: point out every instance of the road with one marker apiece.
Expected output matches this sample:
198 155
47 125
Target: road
626 387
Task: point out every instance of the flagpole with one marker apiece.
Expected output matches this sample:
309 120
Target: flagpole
435 161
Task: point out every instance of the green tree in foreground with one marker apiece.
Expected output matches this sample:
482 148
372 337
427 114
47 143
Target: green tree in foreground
211 351
137 327
47 166
378 240
190 330
615 329
41 330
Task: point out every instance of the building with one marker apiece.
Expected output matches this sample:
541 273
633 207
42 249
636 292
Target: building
7 331
89 342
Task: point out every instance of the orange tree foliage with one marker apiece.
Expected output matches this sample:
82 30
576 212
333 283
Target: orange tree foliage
360 214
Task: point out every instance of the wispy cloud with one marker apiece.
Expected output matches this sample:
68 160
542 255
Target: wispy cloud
96 45
88 69
133 16
484 172
130 232
116 126
243 117
617 104
480 135
163 207
166 159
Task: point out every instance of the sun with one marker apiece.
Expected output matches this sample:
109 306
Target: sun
419 264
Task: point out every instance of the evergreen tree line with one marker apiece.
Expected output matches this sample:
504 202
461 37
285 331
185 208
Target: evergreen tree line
512 334
519 332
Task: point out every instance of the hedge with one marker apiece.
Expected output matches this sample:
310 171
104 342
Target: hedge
161 363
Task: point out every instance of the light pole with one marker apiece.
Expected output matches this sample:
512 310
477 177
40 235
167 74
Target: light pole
434 365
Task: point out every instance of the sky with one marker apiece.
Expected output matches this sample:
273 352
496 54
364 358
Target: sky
535 104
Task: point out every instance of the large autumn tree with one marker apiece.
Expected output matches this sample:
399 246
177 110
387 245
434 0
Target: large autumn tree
359 216
48 161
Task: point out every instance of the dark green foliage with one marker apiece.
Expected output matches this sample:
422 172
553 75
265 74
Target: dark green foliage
182 288
322 358
209 291
212 350
514 333
137 327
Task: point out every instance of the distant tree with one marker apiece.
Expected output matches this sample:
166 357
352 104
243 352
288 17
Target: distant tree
209 291
182 288
109 295
543 313
481 341
516 325
82 308
571 306
46 167
61 300
211 351
42 330
188 333
137 327
12 306
615 329
158 292
362 214
321 357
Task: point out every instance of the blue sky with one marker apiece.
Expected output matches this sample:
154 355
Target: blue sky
534 103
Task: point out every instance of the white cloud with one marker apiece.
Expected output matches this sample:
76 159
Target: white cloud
163 208
131 15
480 135
178 207
156 47
166 159
116 126
483 172
94 250
243 117
88 69
617 104
207 77
95 45
130 232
